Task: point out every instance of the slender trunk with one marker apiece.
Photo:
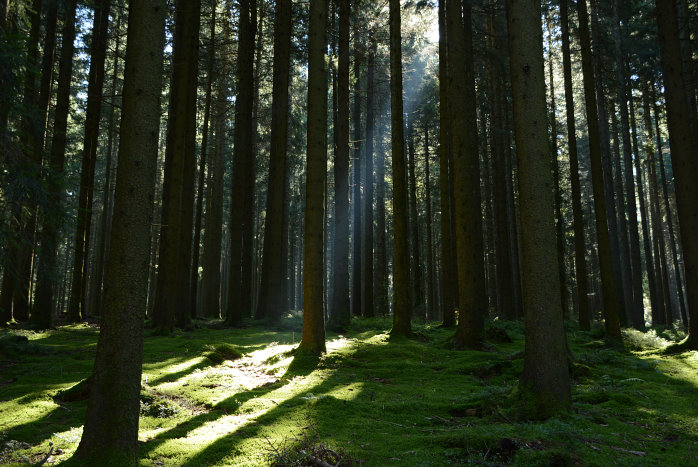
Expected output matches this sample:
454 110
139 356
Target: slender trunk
367 222
271 301
469 243
448 269
672 238
241 215
340 309
416 270
357 142
98 51
203 157
213 234
313 340
577 213
401 261
559 224
430 284
637 311
382 305
644 216
610 304
53 219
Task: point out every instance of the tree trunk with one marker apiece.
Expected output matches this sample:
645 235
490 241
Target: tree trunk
110 434
401 260
610 304
644 217
430 283
472 286
98 51
382 305
577 213
358 162
242 161
340 314
213 234
416 270
545 373
47 273
271 301
559 222
203 157
367 222
449 281
637 312
313 340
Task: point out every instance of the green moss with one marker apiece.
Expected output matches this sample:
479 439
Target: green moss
223 352
407 402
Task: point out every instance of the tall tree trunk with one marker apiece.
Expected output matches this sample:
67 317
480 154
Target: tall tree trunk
382 305
504 305
577 213
172 289
242 161
401 260
47 273
559 222
203 157
472 286
430 283
546 372
637 312
12 303
272 288
34 138
110 434
313 340
449 281
416 269
340 314
357 142
644 215
213 234
98 51
610 304
367 221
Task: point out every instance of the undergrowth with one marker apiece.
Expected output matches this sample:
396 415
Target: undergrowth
215 396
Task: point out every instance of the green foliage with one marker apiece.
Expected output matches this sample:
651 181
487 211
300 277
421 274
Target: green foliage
370 400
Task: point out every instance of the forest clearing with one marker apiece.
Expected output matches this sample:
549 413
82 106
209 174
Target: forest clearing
372 402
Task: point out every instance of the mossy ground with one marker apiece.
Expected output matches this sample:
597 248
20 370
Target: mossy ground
380 402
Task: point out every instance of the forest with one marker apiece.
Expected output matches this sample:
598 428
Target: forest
348 232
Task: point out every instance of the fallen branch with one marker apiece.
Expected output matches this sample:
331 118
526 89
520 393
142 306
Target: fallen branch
45 458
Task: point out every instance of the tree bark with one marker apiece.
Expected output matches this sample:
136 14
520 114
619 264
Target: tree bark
472 286
401 261
449 281
98 51
367 221
313 339
242 161
577 213
546 373
203 159
610 305
357 143
47 273
272 288
110 434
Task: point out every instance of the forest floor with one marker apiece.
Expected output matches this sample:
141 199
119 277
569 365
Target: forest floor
368 401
